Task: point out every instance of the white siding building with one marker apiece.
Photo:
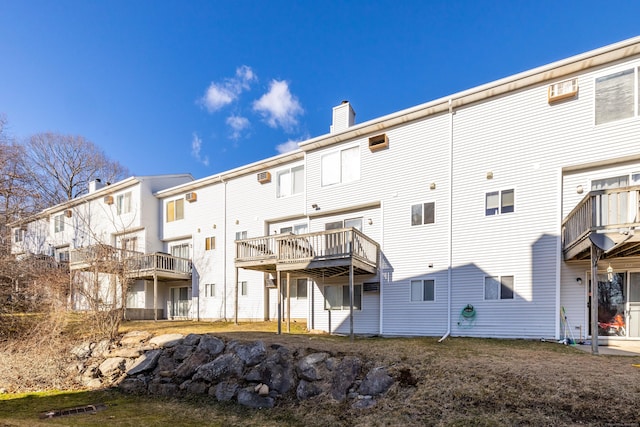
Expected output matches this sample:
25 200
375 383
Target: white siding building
471 215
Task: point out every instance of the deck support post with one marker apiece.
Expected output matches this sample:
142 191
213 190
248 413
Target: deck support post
595 256
279 302
288 302
351 301
155 297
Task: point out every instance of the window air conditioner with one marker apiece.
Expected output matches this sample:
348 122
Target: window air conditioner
191 197
108 200
68 213
264 177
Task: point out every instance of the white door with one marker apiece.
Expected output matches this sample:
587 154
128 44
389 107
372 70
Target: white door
633 310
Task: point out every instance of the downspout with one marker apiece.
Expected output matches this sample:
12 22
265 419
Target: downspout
224 242
380 275
450 242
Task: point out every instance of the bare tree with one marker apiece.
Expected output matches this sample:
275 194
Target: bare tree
16 195
63 165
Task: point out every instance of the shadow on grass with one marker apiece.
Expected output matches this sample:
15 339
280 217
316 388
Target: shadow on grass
25 410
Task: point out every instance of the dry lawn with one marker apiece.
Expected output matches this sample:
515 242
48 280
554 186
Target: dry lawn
459 382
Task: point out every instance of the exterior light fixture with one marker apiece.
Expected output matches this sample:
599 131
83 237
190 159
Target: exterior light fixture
315 206
370 221
579 281
610 273
579 189
432 186
490 175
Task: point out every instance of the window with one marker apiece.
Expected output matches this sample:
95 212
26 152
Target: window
175 210
243 288
210 290
424 213
341 167
209 243
123 203
615 96
240 235
423 290
298 289
18 235
337 297
610 183
129 244
58 223
300 228
63 255
498 287
290 181
180 251
499 202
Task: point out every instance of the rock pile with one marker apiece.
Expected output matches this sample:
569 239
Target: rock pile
251 373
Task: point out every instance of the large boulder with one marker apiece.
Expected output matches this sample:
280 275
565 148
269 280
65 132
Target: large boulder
189 367
112 367
344 375
212 345
251 353
225 366
134 338
308 367
376 382
248 397
307 389
146 362
225 390
276 371
166 340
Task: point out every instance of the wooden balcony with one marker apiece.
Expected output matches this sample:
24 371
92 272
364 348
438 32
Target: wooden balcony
613 214
136 265
323 254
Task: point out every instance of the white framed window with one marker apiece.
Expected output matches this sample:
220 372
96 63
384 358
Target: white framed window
610 183
18 235
423 290
498 287
210 290
499 202
209 243
243 288
240 235
58 223
123 203
175 210
616 96
129 244
423 213
337 297
340 167
62 254
290 181
298 289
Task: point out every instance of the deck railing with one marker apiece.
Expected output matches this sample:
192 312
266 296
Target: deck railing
131 262
294 248
601 210
159 262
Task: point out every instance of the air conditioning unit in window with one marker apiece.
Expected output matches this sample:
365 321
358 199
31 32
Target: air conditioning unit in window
378 142
68 213
371 287
270 283
108 200
563 90
264 177
191 197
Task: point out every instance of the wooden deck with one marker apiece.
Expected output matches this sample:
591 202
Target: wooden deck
613 215
323 254
135 265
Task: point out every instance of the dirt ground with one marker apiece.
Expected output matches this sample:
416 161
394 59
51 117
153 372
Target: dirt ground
461 381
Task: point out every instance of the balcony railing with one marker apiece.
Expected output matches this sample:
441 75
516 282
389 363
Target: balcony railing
109 258
599 211
300 248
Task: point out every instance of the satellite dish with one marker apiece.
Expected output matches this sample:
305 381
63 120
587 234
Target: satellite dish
602 241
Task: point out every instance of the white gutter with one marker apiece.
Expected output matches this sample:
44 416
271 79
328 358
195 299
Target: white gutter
450 242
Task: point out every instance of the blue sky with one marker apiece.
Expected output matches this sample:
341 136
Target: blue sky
207 86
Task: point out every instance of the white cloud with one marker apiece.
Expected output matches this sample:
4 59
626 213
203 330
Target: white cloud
224 93
196 146
287 146
278 106
237 125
